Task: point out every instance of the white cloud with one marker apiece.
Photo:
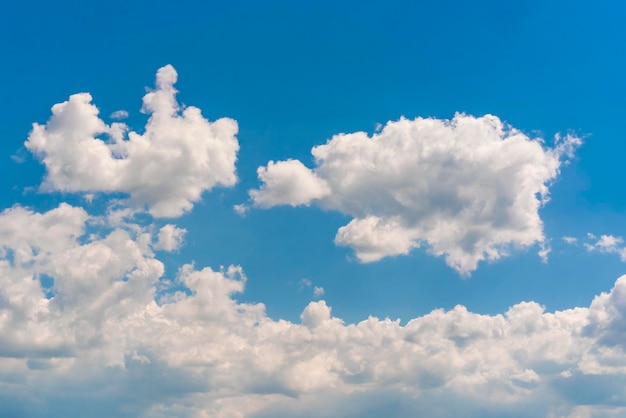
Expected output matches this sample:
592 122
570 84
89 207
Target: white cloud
607 244
103 344
544 251
170 238
179 155
288 182
119 114
470 188
570 240
318 291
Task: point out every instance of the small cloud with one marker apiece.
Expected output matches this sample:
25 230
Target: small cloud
29 190
543 253
177 141
570 240
607 244
89 197
119 115
241 209
20 155
318 291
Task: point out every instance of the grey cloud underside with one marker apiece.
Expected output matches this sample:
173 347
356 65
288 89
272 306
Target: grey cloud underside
470 188
107 338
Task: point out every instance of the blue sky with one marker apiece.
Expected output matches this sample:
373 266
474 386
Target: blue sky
293 75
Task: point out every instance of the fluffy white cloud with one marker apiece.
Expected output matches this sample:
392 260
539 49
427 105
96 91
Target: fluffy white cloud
110 339
288 182
318 291
21 237
469 187
170 238
92 278
608 244
167 168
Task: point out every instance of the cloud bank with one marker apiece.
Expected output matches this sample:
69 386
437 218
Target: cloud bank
470 188
90 327
166 169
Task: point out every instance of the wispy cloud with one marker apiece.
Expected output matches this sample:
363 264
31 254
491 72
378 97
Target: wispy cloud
607 244
119 115
570 240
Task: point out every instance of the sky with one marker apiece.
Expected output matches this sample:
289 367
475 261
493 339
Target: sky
312 209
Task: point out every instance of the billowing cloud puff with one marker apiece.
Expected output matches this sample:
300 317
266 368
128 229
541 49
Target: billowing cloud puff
20 231
469 187
88 329
289 182
170 238
167 168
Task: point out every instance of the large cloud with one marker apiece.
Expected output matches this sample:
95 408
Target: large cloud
470 187
105 337
179 155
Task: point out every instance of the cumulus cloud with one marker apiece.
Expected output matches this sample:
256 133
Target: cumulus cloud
89 274
179 155
21 237
608 244
470 188
318 291
288 183
105 333
170 238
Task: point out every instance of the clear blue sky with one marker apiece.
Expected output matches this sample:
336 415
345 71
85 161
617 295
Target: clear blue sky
293 74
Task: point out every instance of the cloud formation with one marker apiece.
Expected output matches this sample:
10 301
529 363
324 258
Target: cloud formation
470 188
166 168
119 114
91 327
608 244
104 330
170 238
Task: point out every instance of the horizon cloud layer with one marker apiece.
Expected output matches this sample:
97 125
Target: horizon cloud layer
109 321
